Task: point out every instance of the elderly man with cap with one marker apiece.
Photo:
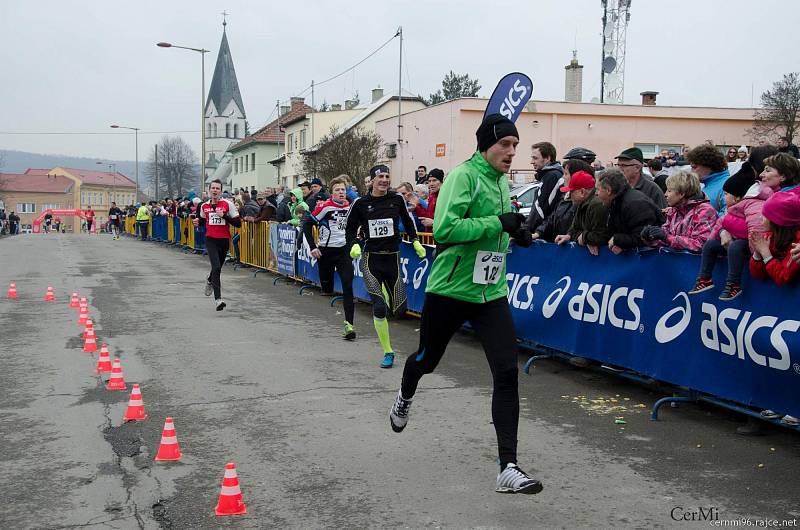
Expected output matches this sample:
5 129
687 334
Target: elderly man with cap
425 214
378 214
473 224
631 162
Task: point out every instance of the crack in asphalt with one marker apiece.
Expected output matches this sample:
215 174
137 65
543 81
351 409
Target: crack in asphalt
367 389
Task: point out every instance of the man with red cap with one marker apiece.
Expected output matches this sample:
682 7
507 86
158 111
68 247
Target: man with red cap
589 224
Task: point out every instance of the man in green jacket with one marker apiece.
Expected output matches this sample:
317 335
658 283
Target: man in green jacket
143 220
472 225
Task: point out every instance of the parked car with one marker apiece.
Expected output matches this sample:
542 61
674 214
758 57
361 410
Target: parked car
524 196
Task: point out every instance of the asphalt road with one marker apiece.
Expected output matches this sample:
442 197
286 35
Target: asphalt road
269 385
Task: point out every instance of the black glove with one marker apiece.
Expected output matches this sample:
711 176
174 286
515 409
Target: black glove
522 237
650 233
511 222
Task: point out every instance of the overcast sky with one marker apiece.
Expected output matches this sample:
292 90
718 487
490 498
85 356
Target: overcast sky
79 66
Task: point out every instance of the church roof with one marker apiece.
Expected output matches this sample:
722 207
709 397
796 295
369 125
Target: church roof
224 86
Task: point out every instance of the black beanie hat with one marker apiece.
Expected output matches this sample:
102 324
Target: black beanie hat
738 183
493 128
437 173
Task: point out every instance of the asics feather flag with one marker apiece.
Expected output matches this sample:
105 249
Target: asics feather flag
510 96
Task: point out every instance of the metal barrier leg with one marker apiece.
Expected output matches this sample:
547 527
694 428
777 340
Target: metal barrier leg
336 299
279 278
533 359
673 399
303 288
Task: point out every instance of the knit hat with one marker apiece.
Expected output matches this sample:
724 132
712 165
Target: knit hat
376 170
633 153
493 128
783 209
437 173
742 149
316 181
738 183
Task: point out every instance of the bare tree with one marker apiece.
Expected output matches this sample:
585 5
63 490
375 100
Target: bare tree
177 167
352 153
780 109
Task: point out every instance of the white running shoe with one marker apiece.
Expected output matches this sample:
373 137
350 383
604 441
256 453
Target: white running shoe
398 414
220 304
514 480
209 289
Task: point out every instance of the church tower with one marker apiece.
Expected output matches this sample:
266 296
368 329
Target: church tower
225 115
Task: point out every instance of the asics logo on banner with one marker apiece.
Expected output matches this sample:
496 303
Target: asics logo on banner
731 331
516 95
597 303
419 272
516 291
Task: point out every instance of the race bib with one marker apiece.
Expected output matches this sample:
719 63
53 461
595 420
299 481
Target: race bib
488 266
214 219
381 228
112 217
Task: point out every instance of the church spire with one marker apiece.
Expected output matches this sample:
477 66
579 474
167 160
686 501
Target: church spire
224 86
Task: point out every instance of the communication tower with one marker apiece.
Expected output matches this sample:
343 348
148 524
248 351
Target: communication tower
616 15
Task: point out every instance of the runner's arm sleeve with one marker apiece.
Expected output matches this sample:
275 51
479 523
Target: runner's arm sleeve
408 222
352 223
309 232
450 225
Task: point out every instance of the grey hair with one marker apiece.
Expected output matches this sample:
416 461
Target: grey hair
613 180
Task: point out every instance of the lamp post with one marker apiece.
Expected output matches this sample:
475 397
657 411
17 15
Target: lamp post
136 130
202 52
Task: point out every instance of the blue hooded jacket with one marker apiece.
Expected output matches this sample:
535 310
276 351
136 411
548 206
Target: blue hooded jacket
712 186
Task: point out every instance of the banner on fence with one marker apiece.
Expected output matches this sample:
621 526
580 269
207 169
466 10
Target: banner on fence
285 238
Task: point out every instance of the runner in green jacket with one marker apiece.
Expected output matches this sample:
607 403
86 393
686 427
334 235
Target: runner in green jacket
472 225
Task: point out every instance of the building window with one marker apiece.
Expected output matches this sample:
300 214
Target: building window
651 150
303 139
236 130
208 134
235 166
215 130
290 143
26 207
253 161
227 130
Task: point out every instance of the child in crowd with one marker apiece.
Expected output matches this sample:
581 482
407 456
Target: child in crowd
690 216
771 256
744 198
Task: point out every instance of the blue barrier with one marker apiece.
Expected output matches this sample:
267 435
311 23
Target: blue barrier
159 230
176 229
199 239
632 311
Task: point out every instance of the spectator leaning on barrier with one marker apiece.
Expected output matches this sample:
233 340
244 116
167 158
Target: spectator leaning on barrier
425 214
629 211
250 208
589 223
550 173
690 218
745 199
560 219
709 164
772 257
631 162
286 208
267 211
406 189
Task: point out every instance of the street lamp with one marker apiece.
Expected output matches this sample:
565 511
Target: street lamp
136 129
202 52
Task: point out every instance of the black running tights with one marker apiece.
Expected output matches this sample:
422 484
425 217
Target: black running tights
441 318
217 249
338 258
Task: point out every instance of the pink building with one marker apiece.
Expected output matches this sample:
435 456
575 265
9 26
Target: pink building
443 135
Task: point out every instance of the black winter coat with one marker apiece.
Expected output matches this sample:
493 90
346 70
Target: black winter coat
629 213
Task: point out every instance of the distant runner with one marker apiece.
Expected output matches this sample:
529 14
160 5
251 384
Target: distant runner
114 219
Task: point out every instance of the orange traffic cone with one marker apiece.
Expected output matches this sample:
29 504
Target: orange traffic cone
73 300
50 296
135 411
84 316
12 291
117 381
230 497
104 362
90 342
83 302
169 449
88 326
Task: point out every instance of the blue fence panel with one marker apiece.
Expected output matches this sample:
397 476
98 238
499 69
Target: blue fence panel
200 238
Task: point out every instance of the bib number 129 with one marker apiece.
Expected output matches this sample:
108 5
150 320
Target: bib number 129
488 266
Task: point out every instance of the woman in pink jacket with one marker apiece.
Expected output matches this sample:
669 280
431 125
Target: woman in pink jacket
745 199
690 216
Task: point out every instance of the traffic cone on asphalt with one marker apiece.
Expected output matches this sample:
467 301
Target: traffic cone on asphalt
73 300
135 411
117 381
83 316
83 302
230 497
104 362
88 326
50 296
169 449
12 291
90 342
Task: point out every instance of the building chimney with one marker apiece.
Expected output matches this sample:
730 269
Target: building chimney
648 97
573 80
350 104
377 93
285 109
336 106
297 102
